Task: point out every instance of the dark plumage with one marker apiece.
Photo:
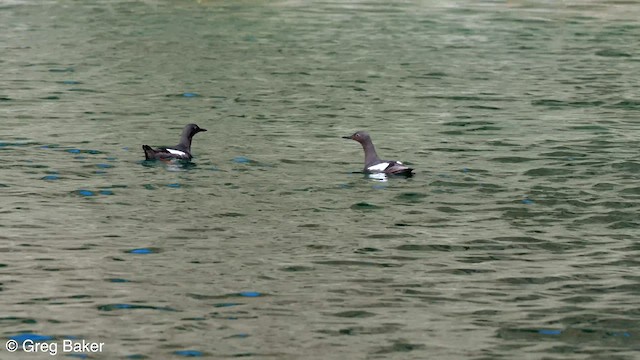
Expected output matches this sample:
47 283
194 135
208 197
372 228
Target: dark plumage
182 151
372 163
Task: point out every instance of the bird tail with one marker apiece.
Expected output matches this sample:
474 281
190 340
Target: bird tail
401 170
148 152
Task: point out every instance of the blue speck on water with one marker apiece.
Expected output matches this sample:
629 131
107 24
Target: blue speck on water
249 294
20 338
465 170
106 192
51 177
141 251
174 185
136 356
86 192
71 82
126 148
549 332
625 334
104 166
190 94
94 152
225 304
111 158
100 172
79 356
241 160
73 151
527 201
189 353
118 280
121 306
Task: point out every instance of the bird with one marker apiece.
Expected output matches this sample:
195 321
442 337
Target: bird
182 151
372 163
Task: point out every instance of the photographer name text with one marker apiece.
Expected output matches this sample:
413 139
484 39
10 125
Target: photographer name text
52 348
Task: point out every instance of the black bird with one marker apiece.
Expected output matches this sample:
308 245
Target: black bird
372 163
182 151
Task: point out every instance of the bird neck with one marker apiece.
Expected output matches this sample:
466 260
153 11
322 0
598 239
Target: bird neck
185 142
370 155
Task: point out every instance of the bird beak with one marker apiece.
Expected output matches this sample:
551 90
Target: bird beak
201 130
346 137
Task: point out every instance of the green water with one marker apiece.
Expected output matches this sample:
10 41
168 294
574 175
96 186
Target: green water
517 238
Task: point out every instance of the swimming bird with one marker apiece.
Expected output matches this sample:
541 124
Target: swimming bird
182 151
372 163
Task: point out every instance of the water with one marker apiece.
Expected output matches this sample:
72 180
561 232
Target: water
517 238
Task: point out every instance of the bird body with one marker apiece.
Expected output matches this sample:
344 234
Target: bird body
373 163
182 151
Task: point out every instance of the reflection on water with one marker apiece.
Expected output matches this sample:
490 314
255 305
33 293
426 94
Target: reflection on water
517 234
382 177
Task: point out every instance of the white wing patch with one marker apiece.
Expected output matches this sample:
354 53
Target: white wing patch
378 167
398 162
177 152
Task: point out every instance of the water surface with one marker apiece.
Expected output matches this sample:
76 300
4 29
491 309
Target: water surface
516 238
